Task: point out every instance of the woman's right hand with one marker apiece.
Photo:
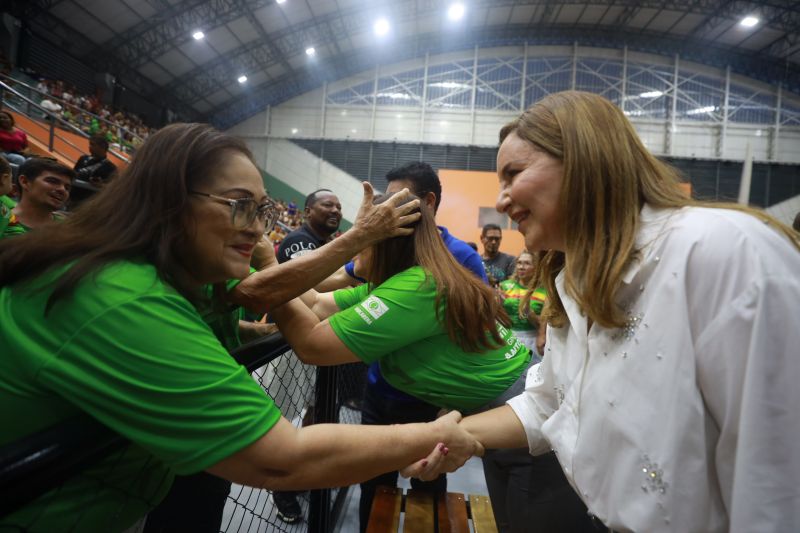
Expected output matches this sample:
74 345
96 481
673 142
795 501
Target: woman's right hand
447 456
378 222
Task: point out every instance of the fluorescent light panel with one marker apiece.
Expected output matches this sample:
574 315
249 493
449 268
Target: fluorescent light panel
749 21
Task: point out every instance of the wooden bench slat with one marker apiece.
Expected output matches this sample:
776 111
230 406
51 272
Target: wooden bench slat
452 513
385 512
482 515
419 511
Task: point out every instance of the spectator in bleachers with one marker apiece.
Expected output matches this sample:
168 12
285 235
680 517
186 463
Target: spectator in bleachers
115 290
95 167
13 141
323 214
44 187
6 203
499 265
523 301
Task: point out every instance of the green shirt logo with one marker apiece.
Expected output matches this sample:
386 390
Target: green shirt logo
374 306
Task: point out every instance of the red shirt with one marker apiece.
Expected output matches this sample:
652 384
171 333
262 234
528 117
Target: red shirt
13 141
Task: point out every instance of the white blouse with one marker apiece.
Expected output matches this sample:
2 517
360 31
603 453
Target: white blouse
688 418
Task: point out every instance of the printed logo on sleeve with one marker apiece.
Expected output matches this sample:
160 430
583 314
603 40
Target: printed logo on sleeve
374 306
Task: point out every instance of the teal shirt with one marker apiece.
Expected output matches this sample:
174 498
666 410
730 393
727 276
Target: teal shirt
396 324
133 353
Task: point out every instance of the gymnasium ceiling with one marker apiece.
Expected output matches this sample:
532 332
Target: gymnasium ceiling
149 46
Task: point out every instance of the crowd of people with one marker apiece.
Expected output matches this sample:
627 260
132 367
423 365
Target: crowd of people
635 372
125 131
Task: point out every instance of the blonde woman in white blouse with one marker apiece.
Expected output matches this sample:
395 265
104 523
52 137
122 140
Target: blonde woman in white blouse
669 387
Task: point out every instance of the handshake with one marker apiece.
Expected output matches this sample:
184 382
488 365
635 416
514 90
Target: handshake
457 446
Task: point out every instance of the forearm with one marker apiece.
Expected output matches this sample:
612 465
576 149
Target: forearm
279 283
331 455
357 454
497 428
249 331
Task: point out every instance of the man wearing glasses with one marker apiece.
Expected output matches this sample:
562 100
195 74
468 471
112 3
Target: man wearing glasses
499 266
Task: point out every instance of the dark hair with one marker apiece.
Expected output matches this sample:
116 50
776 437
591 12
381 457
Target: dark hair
489 227
467 308
34 167
100 139
796 223
311 199
10 116
5 166
174 160
422 176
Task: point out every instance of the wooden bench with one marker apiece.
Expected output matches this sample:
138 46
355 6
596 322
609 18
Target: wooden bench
424 514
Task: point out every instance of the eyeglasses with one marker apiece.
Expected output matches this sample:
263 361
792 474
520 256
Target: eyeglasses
245 210
498 239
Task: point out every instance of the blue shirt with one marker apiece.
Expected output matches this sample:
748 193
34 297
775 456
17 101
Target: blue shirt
467 257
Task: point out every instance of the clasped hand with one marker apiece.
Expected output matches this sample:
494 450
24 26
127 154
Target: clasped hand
448 456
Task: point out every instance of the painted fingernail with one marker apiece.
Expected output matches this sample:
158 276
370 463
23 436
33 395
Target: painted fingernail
446 451
441 447
424 463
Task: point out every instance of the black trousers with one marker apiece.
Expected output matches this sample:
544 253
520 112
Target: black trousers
379 410
194 504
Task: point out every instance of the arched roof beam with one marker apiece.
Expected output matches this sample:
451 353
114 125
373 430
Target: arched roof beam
747 64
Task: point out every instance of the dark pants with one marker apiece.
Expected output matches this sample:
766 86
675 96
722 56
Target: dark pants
194 504
379 410
531 495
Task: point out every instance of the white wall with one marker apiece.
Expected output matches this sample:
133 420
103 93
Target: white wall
786 210
306 172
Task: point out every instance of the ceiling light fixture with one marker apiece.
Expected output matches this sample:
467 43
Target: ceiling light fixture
280 1
749 21
310 51
381 27
456 11
198 35
242 78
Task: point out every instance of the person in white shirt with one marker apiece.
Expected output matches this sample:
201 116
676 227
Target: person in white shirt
669 384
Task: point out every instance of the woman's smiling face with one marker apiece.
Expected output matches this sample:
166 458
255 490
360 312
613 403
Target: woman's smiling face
530 190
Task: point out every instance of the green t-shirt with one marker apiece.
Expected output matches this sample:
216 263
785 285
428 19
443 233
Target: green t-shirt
513 293
396 324
133 353
224 323
6 205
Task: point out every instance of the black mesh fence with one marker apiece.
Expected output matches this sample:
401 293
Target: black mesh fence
37 473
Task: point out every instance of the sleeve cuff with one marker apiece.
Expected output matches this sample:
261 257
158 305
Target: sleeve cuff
532 420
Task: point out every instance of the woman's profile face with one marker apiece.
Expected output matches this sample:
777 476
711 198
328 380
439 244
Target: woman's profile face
524 267
217 251
530 189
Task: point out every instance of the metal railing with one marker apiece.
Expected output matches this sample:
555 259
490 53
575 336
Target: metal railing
44 461
51 118
35 94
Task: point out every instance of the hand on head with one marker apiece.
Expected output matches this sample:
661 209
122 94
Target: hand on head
447 456
378 222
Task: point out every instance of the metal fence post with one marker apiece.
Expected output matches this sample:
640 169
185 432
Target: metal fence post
321 517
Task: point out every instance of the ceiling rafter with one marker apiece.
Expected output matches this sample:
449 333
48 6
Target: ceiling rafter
37 13
747 64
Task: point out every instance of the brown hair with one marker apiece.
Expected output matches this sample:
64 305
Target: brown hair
470 308
608 176
142 215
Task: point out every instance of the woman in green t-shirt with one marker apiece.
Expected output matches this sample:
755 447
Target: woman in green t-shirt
523 302
100 317
440 335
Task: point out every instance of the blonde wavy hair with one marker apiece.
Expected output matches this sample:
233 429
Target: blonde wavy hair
608 176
